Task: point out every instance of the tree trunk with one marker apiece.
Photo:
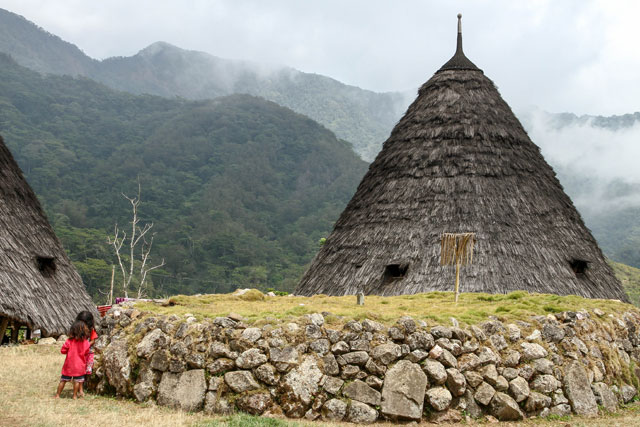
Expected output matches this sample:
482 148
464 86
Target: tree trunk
113 274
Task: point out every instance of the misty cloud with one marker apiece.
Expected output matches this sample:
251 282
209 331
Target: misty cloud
571 55
596 158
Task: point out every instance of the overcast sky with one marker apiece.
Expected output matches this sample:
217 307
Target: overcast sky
571 55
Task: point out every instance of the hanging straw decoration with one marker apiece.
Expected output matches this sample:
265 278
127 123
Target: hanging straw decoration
456 248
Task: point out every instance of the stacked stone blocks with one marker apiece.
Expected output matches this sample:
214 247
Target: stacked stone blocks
364 372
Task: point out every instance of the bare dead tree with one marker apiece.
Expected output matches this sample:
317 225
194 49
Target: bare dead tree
138 237
117 243
109 294
144 256
113 274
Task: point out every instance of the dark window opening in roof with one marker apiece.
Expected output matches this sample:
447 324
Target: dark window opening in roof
46 265
394 272
579 267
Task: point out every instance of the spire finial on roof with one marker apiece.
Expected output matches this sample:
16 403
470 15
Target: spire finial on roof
459 40
459 61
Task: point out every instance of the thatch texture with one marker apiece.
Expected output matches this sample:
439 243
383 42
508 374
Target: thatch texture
459 161
38 285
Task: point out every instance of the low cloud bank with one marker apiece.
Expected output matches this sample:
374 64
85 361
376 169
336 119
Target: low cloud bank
596 158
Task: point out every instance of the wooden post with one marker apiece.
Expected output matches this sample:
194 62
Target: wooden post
4 322
14 332
27 334
457 279
456 248
113 273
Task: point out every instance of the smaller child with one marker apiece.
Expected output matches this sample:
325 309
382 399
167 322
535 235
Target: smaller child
75 364
87 318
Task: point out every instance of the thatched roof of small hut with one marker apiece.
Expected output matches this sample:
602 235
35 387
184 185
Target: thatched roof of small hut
39 286
459 161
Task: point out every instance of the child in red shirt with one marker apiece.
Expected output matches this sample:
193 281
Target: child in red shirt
87 318
77 349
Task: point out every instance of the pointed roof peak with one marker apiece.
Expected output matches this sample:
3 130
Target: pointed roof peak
459 61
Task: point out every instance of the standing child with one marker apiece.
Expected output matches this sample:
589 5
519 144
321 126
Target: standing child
75 364
87 318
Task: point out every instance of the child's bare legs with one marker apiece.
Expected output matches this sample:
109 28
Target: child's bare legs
76 387
60 388
81 390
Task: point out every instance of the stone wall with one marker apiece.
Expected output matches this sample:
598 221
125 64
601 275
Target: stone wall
572 362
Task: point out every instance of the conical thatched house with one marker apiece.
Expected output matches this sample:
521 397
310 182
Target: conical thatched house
39 288
460 161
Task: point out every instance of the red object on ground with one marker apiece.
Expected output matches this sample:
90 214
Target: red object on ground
102 309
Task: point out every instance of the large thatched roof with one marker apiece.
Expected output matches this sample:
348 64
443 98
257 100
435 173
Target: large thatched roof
460 161
38 285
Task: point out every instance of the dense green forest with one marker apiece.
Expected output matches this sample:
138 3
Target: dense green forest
240 189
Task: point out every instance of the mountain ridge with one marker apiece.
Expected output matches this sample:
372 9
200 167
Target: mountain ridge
359 116
240 189
37 49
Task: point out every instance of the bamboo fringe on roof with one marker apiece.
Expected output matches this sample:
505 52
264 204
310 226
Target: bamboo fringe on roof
456 248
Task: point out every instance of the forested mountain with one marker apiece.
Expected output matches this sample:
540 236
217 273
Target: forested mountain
36 49
359 116
81 144
239 188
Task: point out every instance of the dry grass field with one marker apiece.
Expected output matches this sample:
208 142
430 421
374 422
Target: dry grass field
28 378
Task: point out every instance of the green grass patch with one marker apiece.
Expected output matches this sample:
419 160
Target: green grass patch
243 420
297 311
488 298
551 309
554 417
433 307
517 295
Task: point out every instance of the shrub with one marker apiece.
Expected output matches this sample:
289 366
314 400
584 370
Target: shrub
252 295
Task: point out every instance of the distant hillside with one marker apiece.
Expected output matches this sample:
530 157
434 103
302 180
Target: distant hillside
240 189
630 278
359 116
362 117
562 120
35 48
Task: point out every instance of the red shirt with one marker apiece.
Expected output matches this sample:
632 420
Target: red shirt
94 335
77 352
